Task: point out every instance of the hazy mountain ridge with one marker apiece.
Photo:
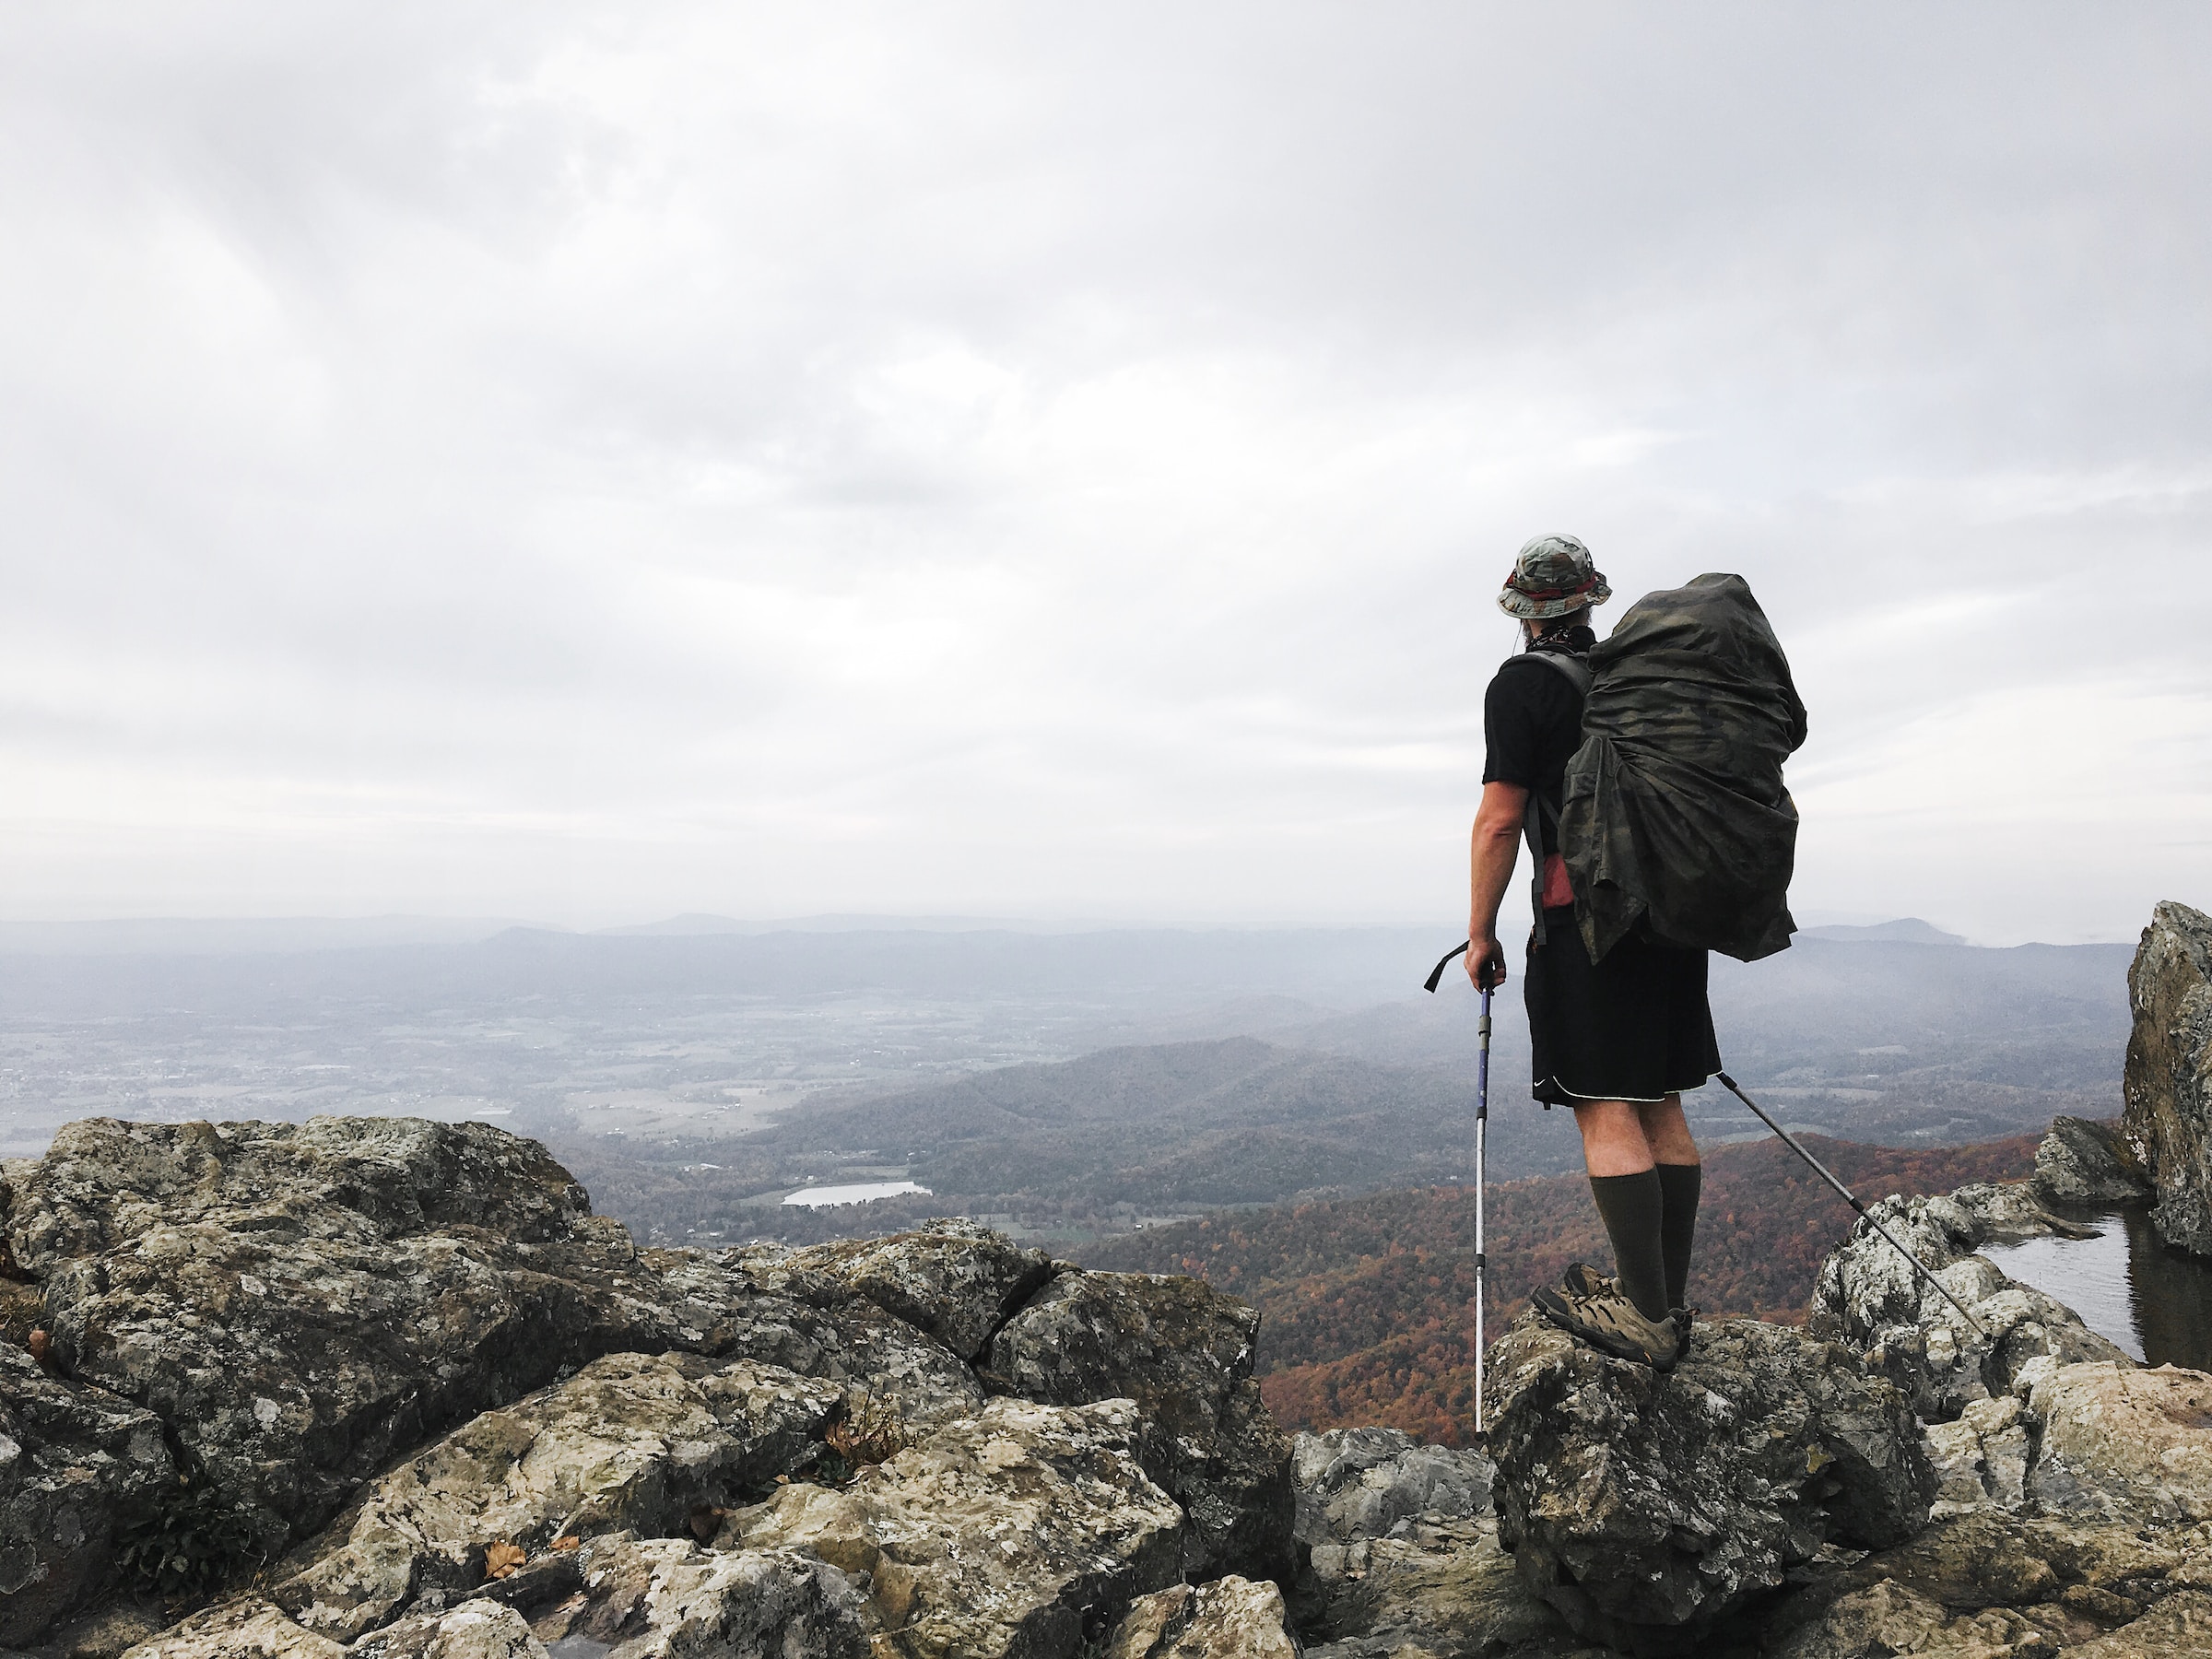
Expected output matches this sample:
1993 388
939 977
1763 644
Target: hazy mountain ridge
788 1057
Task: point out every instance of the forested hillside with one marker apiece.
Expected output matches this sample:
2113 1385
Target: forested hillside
1368 1301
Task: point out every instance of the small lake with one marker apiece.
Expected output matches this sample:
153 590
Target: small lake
2154 1302
813 1197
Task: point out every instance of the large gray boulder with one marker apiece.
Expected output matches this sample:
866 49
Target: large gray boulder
1184 1352
77 1466
1026 1532
2085 1163
1869 1299
2168 1120
649 1444
301 1303
1646 1509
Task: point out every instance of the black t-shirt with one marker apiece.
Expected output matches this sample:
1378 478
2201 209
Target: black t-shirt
1532 724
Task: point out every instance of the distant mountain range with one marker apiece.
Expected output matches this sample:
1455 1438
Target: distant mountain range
1222 1066
1910 930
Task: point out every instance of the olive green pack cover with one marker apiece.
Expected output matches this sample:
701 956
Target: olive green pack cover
1676 816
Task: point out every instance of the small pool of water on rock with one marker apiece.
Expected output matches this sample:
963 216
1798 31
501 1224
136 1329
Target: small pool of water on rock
2154 1302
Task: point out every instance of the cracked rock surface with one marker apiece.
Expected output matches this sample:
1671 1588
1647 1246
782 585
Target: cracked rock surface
76 1463
1634 1502
1026 1530
1184 1352
954 1280
632 1442
1403 1556
303 1302
1230 1617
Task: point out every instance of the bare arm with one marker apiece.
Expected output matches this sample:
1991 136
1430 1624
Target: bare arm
1496 843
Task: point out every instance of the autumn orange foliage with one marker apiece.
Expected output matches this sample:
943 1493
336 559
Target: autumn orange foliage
1366 1301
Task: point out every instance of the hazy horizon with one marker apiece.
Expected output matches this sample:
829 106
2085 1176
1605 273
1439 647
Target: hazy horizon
131 933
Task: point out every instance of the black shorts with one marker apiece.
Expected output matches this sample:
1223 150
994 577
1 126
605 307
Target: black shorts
1634 1027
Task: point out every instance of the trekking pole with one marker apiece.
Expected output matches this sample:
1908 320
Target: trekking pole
1482 1125
1482 1153
1820 1170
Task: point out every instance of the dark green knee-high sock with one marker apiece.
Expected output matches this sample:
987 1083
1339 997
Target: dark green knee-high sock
1679 1185
1631 1207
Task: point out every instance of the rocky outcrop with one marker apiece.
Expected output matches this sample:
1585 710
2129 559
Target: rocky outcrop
1638 1504
1229 1618
2168 1120
77 1466
409 1373
301 1304
647 1444
1869 1299
2085 1163
1184 1352
1402 1555
1026 1530
755 1303
1355 1484
957 1281
942 1445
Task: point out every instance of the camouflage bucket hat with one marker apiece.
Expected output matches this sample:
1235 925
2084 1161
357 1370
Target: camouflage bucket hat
1552 575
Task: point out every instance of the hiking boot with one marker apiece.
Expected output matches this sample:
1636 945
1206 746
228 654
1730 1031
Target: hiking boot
1685 1318
1582 1279
1612 1325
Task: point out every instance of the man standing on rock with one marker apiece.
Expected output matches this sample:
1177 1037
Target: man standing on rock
1619 1040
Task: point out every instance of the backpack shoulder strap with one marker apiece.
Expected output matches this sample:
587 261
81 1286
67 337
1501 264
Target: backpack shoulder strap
1578 674
1574 668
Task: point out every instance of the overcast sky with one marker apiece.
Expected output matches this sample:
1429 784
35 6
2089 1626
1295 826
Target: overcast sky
591 462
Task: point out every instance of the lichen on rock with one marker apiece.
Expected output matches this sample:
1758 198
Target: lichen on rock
1183 1351
301 1303
632 1442
77 1466
1026 1530
1637 1502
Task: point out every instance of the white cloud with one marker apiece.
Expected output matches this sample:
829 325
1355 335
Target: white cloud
592 462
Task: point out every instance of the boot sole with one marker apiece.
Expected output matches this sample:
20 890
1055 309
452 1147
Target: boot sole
1553 1308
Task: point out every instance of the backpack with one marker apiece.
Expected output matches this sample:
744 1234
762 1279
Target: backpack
1675 823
